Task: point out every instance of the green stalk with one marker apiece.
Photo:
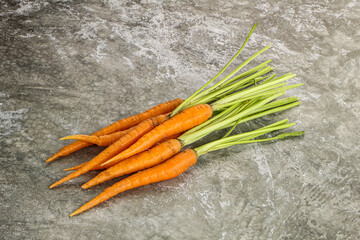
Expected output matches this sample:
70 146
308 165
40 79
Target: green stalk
232 73
260 112
263 86
231 87
269 126
242 136
280 136
245 137
275 106
232 98
217 118
258 79
183 104
231 119
263 93
247 73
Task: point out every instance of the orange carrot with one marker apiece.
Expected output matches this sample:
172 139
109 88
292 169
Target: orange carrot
175 136
181 122
122 124
164 171
103 140
140 161
118 146
75 167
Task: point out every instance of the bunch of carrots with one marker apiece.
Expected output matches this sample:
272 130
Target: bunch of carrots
150 145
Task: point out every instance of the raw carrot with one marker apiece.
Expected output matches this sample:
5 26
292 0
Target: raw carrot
175 136
182 161
115 148
140 161
75 167
181 122
164 171
143 160
122 124
103 140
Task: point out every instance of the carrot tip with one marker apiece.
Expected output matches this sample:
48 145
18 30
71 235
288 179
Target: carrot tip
66 138
76 212
52 158
69 169
72 214
85 186
107 162
54 185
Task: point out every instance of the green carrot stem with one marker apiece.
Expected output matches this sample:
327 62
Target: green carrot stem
278 103
277 88
229 141
215 86
258 79
228 120
251 82
183 104
213 119
247 104
236 96
245 137
256 89
247 73
280 136
270 78
231 87
260 112
257 134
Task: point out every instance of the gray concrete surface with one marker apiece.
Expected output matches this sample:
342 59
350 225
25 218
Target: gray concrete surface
68 67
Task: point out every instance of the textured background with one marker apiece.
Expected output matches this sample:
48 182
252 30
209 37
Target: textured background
69 67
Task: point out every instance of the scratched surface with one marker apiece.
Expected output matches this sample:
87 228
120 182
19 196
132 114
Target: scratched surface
68 67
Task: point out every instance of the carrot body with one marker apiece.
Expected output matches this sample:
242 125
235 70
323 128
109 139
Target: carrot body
120 125
175 136
140 161
103 140
75 167
98 167
164 171
181 122
118 146
73 147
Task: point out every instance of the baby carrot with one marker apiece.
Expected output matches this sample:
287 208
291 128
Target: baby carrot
103 140
164 171
145 159
120 125
175 136
181 122
183 161
140 161
115 148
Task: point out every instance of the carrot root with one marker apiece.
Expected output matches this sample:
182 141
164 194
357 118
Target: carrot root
117 147
141 161
120 125
181 122
164 171
85 138
73 147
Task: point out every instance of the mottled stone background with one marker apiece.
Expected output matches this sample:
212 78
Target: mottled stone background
68 67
